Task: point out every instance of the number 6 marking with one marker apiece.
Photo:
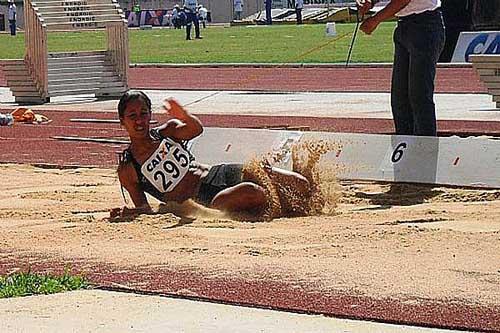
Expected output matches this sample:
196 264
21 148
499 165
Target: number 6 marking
397 154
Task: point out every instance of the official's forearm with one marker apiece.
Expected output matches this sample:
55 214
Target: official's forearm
391 9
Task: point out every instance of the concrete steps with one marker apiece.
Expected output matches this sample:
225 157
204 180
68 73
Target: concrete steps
90 24
71 73
57 13
488 68
70 15
80 18
76 73
20 82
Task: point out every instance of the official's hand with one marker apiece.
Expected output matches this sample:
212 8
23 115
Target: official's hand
364 6
369 25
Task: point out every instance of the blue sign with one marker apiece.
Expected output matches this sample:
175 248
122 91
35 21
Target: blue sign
486 42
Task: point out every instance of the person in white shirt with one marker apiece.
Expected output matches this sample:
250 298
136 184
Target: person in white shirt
418 41
299 4
12 16
190 8
203 15
238 9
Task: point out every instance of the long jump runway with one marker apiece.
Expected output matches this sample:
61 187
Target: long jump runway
35 145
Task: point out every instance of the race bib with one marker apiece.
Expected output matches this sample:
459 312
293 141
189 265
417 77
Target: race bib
167 166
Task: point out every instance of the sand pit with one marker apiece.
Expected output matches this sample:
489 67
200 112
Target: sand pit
406 242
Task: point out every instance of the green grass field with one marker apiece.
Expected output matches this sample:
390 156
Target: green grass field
251 44
24 284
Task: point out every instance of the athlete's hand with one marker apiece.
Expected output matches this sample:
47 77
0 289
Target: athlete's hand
120 213
115 213
174 109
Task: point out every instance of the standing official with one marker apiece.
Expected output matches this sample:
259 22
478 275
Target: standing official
418 41
190 7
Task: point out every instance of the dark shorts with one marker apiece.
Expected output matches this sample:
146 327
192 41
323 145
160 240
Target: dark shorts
219 178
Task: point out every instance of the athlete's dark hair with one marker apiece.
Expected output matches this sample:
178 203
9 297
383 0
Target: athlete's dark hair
130 96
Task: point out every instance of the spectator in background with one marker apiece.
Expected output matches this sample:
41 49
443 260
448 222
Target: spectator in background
12 16
136 9
190 8
203 15
418 42
299 4
238 9
175 17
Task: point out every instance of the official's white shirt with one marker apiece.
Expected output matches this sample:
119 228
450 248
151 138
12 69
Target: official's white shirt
299 4
12 12
175 14
418 6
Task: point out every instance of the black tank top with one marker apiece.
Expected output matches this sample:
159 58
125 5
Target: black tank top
144 183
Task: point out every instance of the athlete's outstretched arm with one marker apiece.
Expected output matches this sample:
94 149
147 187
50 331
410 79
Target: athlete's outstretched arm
183 126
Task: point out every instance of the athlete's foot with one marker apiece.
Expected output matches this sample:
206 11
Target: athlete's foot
199 37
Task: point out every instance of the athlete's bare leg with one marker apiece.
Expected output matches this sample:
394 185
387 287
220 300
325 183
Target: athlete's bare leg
245 196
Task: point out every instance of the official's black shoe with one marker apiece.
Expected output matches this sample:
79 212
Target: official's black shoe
199 37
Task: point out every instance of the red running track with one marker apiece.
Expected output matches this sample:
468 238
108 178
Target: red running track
296 296
334 79
456 79
25 143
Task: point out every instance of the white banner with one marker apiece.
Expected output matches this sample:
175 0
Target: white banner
430 160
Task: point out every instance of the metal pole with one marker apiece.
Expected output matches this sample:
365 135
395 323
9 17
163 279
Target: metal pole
353 39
